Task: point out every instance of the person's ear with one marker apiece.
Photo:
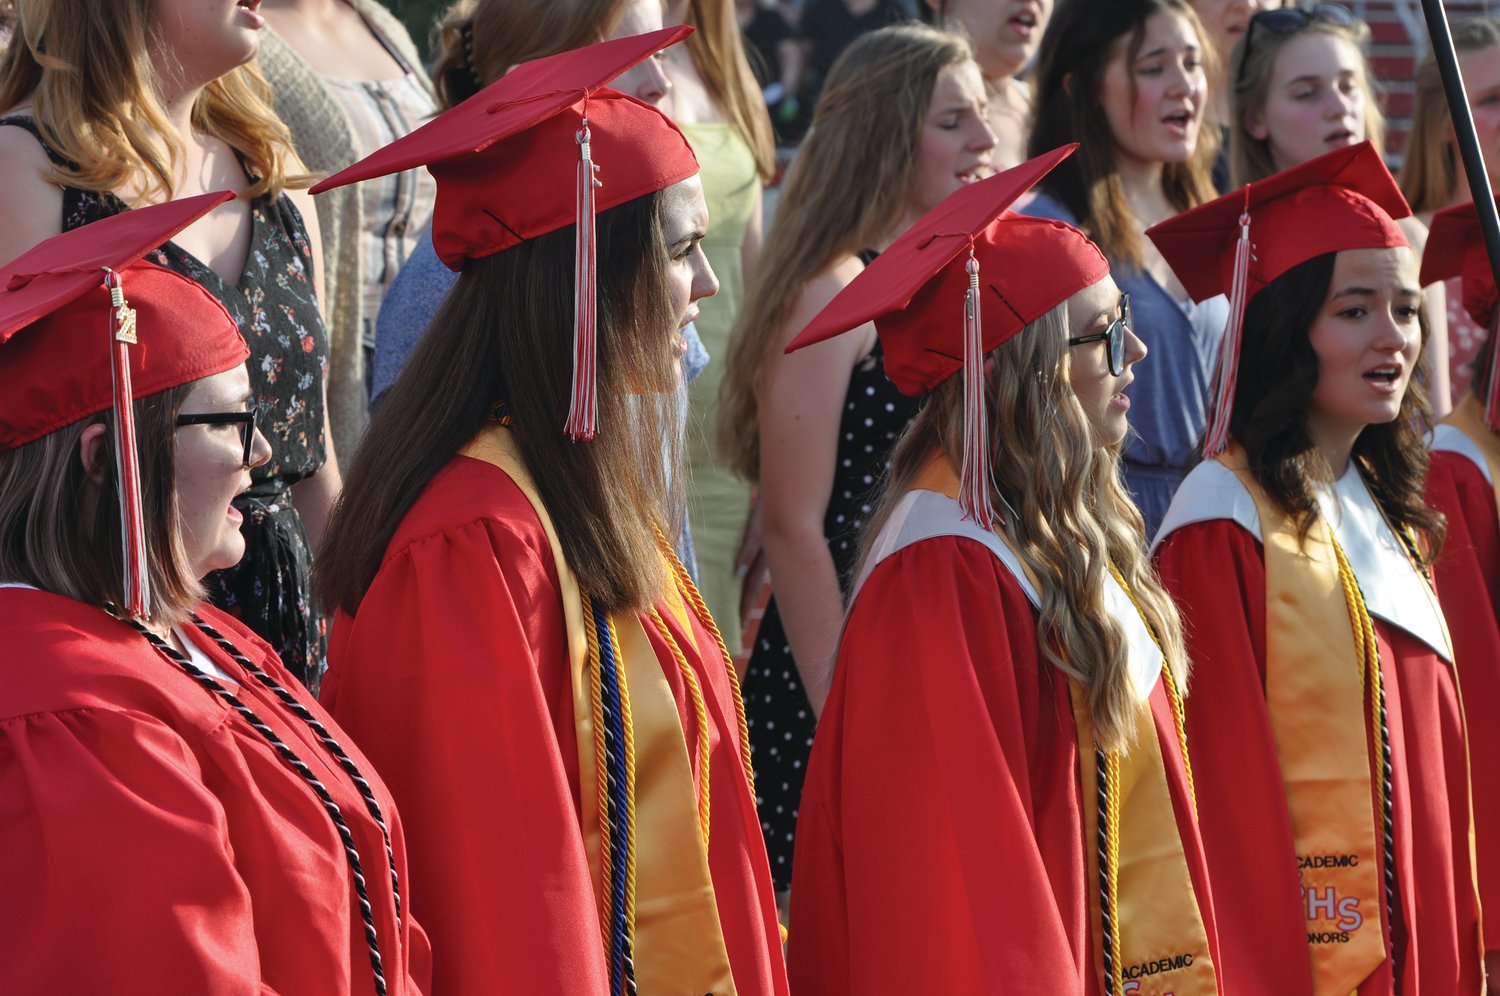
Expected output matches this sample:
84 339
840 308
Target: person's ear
91 452
1254 121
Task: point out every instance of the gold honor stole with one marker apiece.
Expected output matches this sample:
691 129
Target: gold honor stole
678 941
1318 710
1468 417
1160 943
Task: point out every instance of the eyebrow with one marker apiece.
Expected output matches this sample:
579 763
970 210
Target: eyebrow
1162 50
697 234
1371 292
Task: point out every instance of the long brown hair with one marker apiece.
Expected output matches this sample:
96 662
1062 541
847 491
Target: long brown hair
1082 38
504 334
87 70
1250 157
1429 172
1278 372
847 189
1072 515
718 51
480 40
60 531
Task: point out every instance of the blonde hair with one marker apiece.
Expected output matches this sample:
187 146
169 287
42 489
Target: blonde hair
1250 157
848 187
718 52
1429 173
1072 518
86 68
481 40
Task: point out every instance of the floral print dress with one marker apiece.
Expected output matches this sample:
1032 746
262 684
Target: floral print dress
273 302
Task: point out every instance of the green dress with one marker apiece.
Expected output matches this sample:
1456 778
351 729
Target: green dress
718 501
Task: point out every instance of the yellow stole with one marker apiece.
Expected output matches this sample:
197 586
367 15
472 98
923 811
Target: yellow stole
1318 709
678 941
1468 417
1160 942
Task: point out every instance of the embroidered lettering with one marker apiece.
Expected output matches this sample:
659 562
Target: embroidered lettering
1327 861
1326 904
1158 966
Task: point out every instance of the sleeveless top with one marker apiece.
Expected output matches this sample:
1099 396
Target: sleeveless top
275 307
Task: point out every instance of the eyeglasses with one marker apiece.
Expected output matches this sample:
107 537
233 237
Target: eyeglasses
1283 21
1114 335
245 420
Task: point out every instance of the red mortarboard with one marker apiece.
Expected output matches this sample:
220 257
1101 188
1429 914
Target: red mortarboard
1239 243
1455 247
522 158
69 311
963 255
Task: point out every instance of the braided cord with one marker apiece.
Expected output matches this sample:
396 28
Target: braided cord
617 825
629 827
700 716
603 779
1372 684
1174 694
690 594
290 758
332 746
1106 778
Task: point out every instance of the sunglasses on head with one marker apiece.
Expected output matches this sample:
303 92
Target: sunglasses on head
1114 336
1283 21
245 420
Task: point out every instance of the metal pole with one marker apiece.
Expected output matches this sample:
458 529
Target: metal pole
1463 130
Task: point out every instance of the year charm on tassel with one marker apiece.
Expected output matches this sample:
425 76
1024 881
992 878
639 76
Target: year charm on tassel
583 406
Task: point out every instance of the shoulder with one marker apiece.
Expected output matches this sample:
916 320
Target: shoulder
470 501
1211 491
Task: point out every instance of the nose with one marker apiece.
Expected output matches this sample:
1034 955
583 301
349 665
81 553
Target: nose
983 138
654 83
260 449
705 283
1135 348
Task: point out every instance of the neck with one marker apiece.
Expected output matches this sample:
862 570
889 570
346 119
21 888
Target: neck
1334 441
1142 182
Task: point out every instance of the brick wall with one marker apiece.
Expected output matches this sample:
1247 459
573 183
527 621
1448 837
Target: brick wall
1399 41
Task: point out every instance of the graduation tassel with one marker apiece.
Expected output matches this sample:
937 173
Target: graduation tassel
974 479
583 408
1492 396
1227 371
127 465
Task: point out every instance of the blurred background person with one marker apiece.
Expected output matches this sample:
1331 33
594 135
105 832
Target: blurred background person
1224 24
899 126
1128 79
346 80
1302 88
93 134
1433 177
828 27
1005 34
778 58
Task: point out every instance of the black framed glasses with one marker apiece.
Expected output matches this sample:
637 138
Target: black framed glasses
245 420
1283 21
1114 335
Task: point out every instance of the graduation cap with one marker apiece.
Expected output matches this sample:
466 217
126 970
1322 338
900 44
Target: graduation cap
544 147
86 326
1455 248
955 285
1239 243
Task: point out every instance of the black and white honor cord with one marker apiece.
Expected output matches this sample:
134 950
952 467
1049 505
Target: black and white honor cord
294 762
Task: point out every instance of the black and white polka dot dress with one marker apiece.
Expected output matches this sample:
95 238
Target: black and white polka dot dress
776 708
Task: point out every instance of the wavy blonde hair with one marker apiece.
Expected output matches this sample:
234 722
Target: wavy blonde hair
86 68
1072 515
480 40
717 49
1250 158
847 189
1429 173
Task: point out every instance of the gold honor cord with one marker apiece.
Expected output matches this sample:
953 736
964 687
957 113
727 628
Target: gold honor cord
700 717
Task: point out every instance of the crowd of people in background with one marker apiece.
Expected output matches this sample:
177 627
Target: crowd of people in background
577 482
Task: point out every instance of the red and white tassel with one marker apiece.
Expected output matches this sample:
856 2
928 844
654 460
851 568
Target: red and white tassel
583 407
122 335
1227 371
974 478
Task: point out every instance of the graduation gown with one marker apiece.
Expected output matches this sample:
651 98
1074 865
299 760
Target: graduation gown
1215 570
152 842
941 844
456 673
1467 575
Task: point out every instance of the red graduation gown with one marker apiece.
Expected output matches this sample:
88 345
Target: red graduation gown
1215 571
940 840
152 842
455 673
1467 576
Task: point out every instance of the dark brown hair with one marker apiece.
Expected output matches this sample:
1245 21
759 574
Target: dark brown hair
505 333
1081 40
1278 372
60 532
